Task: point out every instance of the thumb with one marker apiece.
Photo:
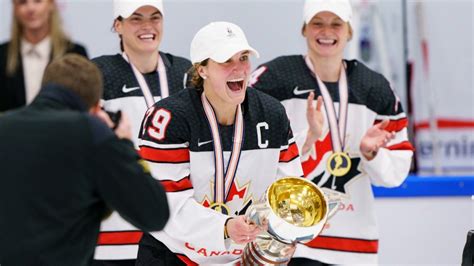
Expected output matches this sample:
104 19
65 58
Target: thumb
382 125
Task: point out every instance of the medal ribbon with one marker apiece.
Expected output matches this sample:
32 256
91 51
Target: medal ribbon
223 181
337 126
144 86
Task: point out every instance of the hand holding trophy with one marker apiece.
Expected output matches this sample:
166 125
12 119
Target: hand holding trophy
295 211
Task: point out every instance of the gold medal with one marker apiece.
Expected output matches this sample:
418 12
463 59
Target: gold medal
220 207
339 164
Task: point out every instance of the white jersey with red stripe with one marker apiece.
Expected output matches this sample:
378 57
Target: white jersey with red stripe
118 239
351 236
177 142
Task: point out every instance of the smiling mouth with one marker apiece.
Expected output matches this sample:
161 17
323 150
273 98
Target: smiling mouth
236 84
327 42
148 36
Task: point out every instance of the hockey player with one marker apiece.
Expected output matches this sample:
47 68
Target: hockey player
216 148
133 81
365 140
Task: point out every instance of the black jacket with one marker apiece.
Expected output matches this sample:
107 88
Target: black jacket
12 88
61 170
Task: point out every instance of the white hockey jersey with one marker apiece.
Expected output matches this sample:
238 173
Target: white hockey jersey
351 236
118 240
177 142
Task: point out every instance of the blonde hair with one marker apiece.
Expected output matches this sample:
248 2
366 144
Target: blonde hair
59 40
196 80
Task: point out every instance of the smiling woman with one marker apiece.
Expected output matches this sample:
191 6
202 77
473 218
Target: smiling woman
216 147
36 38
133 81
364 138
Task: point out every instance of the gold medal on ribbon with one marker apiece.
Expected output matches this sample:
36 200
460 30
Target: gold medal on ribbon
224 177
220 207
339 164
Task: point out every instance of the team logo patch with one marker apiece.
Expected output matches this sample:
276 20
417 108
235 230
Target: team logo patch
230 33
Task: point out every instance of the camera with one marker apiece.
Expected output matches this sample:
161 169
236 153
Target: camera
115 117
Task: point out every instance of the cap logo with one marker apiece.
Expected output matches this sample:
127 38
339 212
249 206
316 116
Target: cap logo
230 33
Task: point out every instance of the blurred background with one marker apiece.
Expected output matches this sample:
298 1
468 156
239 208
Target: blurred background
424 48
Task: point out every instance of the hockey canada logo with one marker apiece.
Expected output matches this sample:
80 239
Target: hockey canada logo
230 33
238 198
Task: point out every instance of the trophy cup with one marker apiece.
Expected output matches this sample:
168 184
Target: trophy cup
295 210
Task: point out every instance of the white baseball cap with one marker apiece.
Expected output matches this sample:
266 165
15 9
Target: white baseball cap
219 41
125 8
342 8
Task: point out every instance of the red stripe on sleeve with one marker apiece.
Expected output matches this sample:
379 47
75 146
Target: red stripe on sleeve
164 156
405 145
176 186
289 154
395 125
345 244
119 238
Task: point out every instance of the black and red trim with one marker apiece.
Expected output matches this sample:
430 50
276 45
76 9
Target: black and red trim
116 238
186 260
177 186
289 154
395 125
405 145
164 155
345 244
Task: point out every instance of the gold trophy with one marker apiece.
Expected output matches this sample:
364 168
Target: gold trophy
295 210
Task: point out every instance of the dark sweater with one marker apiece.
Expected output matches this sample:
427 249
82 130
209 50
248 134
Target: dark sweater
61 170
12 88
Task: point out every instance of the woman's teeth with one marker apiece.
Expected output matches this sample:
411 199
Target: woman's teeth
235 84
147 36
326 41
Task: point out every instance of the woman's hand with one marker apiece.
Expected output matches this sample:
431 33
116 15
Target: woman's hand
241 231
375 138
315 119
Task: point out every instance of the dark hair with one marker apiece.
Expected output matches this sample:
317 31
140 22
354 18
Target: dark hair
119 18
78 74
196 80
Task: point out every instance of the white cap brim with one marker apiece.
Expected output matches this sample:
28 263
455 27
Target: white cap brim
341 8
226 52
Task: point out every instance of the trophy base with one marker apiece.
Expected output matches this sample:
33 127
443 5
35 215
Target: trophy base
255 255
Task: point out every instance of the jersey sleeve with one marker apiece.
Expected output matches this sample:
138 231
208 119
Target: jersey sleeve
391 165
289 163
164 144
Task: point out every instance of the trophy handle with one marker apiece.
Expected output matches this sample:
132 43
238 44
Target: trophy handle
257 214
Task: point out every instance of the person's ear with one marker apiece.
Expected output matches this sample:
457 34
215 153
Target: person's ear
303 30
202 71
95 109
118 26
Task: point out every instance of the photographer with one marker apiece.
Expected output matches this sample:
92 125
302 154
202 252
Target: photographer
63 170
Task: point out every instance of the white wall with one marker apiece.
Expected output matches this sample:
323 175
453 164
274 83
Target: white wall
423 230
